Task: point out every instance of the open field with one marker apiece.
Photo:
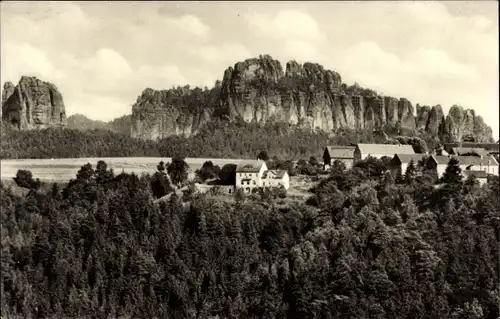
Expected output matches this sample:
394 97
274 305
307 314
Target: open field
64 169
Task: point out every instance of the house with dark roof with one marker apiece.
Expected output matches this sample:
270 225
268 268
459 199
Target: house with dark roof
487 164
491 148
363 151
468 151
400 162
345 154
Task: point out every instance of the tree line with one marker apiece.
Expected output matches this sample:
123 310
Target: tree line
218 139
365 245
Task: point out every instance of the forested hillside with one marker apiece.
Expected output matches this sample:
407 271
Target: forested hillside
219 139
120 125
367 245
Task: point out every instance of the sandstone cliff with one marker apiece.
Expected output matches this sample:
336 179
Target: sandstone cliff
259 90
180 111
32 104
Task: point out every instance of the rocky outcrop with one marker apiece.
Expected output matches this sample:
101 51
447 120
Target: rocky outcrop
259 90
461 124
33 103
180 111
430 120
8 90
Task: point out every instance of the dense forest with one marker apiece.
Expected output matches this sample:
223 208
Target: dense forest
219 139
365 245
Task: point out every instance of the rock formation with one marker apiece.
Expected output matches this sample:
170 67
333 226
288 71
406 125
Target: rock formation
181 111
259 90
32 104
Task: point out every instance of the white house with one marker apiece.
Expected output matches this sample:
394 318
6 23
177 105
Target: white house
255 174
276 178
487 164
249 175
363 151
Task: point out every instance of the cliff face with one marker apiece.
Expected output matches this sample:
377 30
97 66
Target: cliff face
259 90
181 111
33 104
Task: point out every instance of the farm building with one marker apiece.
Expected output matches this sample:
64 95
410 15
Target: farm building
400 162
256 175
491 148
363 151
276 178
487 164
249 175
344 154
468 151
481 176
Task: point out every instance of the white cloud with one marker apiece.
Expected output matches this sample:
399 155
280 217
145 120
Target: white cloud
481 22
159 78
224 52
23 59
190 24
286 24
433 62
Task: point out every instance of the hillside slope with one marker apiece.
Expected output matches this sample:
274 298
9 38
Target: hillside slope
80 122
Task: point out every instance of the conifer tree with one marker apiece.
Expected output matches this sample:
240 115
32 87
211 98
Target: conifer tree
453 173
411 172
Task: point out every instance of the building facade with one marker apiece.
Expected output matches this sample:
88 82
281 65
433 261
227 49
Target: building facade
487 164
276 178
481 176
250 176
400 162
345 154
363 151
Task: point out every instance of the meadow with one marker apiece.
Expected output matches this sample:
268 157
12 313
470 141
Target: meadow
63 169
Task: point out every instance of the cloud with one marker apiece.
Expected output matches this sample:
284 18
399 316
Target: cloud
222 52
434 62
161 77
481 23
286 24
190 24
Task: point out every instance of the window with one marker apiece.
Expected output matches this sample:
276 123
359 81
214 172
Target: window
254 182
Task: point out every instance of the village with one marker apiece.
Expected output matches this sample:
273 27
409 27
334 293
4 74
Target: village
475 159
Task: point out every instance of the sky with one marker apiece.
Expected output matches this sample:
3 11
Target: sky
102 55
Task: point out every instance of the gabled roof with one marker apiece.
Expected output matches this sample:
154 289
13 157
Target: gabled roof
389 149
467 160
464 150
340 151
274 174
407 158
490 147
251 166
476 174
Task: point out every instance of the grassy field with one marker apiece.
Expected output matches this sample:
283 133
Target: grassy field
61 170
